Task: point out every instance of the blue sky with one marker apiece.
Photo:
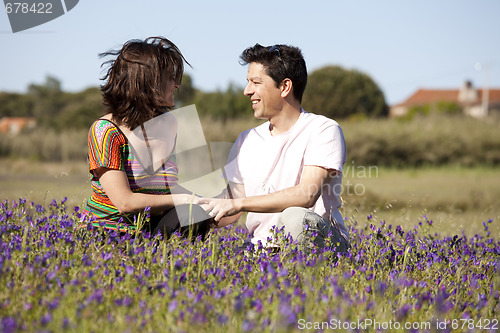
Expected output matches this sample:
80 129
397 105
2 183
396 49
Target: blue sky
402 45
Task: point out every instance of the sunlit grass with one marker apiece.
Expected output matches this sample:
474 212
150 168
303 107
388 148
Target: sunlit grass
455 198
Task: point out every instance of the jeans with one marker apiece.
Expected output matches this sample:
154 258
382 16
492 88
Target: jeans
185 218
309 229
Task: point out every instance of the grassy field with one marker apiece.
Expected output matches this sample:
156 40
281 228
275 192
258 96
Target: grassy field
43 182
398 276
393 279
454 198
420 258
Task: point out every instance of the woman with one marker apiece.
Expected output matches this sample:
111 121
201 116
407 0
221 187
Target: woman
139 90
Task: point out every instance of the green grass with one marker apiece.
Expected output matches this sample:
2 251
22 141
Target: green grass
43 182
56 279
454 198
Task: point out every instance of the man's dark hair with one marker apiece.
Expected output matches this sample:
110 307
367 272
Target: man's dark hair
280 62
133 88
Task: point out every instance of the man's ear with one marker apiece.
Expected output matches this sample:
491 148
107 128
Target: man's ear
286 87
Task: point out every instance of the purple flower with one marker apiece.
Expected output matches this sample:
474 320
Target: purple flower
172 306
97 296
86 260
238 305
222 319
247 326
382 287
9 324
129 270
65 323
46 318
289 316
54 304
283 272
51 275
403 311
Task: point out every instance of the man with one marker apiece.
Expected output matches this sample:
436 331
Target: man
286 172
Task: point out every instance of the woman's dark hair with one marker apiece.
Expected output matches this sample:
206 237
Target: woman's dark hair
281 62
135 77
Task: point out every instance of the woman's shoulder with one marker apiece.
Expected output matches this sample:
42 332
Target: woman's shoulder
105 121
103 126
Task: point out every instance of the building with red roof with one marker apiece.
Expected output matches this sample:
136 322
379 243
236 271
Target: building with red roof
14 125
474 102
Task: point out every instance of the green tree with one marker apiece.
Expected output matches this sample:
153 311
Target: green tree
48 100
186 93
223 105
339 93
80 109
15 105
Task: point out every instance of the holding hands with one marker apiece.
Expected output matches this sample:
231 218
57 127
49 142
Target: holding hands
219 209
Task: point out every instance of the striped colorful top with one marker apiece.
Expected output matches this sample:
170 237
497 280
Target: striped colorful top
109 148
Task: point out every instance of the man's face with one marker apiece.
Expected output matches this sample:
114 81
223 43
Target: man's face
261 88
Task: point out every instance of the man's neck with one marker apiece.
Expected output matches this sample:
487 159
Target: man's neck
285 120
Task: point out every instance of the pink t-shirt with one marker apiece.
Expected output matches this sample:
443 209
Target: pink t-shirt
266 164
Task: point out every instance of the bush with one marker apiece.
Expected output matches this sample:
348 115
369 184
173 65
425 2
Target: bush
434 140
46 145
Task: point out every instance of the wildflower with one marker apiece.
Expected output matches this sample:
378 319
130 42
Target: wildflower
381 288
65 324
289 316
46 318
172 306
247 326
283 272
97 296
9 324
129 270
222 319
51 275
403 311
86 260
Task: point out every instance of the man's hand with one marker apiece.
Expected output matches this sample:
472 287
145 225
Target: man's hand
220 208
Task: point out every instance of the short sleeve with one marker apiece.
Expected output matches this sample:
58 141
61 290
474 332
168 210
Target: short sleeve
105 142
327 147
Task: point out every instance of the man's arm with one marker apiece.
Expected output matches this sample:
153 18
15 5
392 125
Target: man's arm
305 194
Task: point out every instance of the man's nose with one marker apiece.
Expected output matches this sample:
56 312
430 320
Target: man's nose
247 91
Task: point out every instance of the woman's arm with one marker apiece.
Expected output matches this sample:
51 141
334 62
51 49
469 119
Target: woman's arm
115 185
